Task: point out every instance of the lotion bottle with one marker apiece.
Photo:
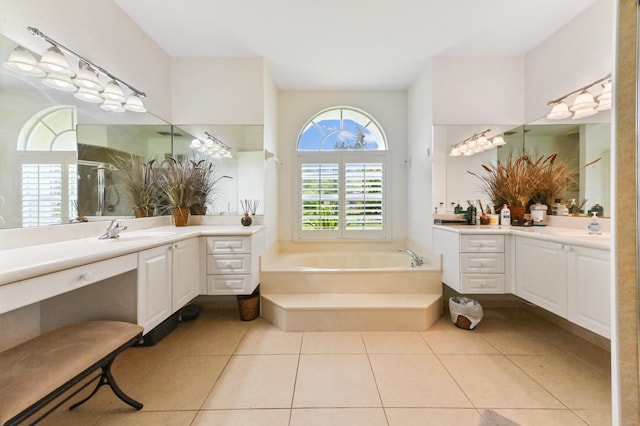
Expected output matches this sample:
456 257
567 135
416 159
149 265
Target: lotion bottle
505 216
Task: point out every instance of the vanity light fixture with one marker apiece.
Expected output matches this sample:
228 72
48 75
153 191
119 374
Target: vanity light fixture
212 146
475 144
21 61
584 105
57 73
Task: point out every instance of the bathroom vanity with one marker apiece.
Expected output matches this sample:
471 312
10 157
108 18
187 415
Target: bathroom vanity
144 276
565 271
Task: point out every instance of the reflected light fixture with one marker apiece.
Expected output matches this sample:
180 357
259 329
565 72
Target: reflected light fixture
584 105
57 73
475 144
217 148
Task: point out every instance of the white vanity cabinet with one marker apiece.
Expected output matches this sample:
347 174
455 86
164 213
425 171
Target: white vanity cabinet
472 263
541 273
233 263
589 286
569 280
167 280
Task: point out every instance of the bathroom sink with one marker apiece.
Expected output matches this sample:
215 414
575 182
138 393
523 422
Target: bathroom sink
141 236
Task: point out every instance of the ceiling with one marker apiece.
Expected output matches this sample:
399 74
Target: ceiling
349 44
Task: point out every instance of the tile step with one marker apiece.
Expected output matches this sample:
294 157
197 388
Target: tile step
351 301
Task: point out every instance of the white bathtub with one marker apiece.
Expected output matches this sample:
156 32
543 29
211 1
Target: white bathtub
358 267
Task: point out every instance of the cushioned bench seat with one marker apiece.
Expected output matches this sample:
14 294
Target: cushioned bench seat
36 372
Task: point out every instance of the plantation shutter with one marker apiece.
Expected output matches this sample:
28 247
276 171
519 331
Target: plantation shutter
363 196
44 198
319 185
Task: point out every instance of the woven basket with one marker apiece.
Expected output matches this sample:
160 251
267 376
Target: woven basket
249 306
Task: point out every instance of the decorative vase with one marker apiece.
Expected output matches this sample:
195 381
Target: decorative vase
245 220
143 211
517 213
180 216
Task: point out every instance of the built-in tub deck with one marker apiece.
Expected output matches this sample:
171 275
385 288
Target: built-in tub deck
350 287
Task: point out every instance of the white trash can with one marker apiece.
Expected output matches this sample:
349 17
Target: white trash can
465 312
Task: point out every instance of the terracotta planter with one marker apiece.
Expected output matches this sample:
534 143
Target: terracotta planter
143 211
180 216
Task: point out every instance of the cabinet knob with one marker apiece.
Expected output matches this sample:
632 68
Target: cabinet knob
175 246
566 248
86 276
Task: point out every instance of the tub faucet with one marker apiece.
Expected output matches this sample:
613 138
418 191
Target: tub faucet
113 231
416 260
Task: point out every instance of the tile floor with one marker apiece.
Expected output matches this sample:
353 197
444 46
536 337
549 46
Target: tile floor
218 370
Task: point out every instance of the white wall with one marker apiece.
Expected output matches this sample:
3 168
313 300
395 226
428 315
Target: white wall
478 90
422 156
217 90
271 169
101 33
578 54
389 108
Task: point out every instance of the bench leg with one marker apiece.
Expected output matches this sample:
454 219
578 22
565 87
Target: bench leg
106 378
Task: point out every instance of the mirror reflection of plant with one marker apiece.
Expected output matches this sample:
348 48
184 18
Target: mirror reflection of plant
206 181
137 177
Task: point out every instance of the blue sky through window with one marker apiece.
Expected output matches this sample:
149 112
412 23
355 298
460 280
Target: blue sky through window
341 129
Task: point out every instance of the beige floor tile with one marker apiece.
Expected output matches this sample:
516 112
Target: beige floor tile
493 381
332 343
179 383
265 340
255 381
432 416
415 380
389 342
595 417
212 340
338 416
529 417
156 418
340 380
569 380
519 341
446 338
258 417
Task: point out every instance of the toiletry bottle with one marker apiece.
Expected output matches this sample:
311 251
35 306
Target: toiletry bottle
573 208
565 210
505 216
557 207
594 226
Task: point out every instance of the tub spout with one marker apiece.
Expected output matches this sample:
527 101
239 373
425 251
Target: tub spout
416 260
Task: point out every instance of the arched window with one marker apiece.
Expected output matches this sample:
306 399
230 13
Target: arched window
47 156
342 157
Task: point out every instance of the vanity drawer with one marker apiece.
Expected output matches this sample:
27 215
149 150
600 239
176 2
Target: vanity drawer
216 245
483 243
482 283
228 284
482 262
25 292
229 264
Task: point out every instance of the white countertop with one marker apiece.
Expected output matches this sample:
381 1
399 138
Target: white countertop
27 262
571 236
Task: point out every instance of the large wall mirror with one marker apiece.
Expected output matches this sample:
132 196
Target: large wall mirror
56 154
578 142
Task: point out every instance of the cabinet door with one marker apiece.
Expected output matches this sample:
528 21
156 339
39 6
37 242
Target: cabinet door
186 272
447 243
154 286
589 289
541 274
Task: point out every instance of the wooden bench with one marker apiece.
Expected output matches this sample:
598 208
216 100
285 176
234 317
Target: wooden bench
38 371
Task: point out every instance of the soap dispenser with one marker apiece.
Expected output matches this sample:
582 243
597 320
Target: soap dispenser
594 225
505 216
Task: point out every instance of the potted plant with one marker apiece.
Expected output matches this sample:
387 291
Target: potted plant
178 188
205 181
138 181
513 183
555 179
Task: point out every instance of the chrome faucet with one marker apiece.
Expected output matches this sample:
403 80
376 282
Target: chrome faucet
416 260
113 231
